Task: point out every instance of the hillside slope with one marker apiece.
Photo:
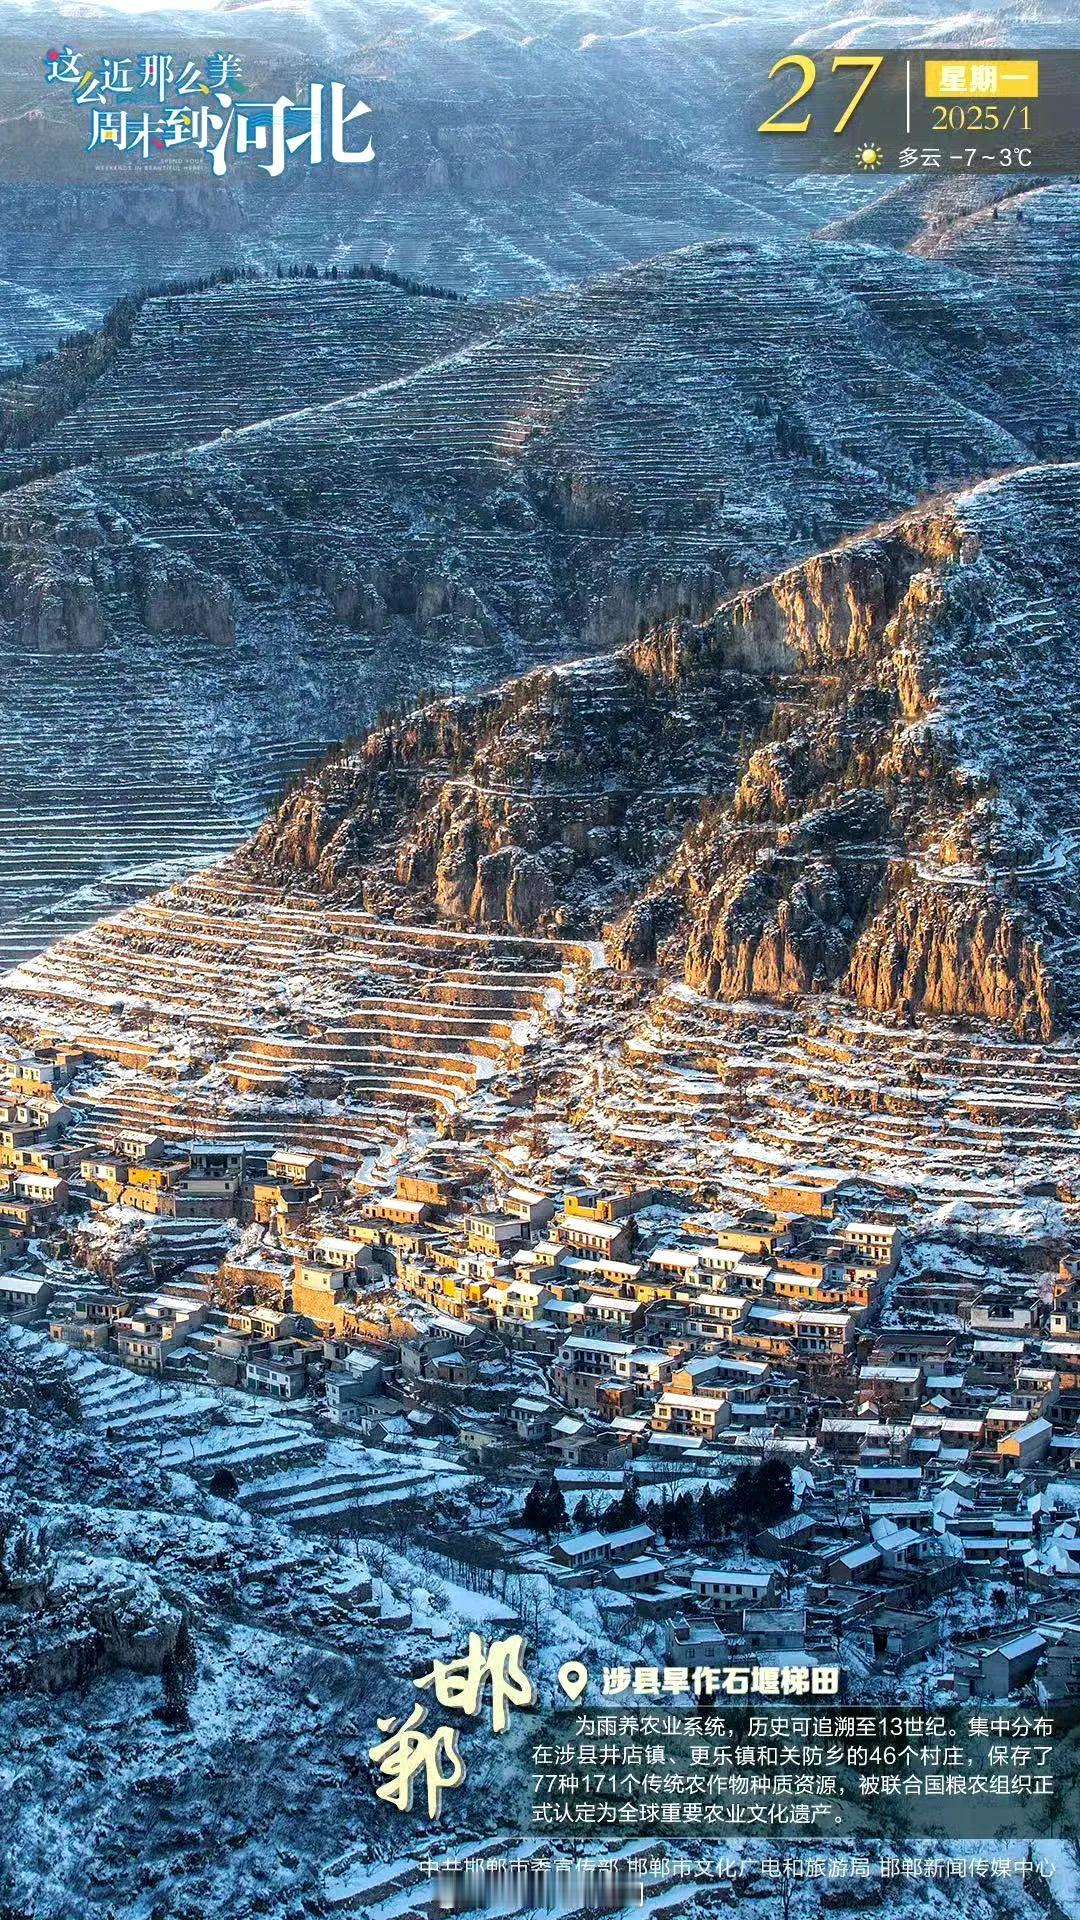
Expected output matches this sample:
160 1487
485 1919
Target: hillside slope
520 482
1027 244
372 492
849 776
161 1647
179 365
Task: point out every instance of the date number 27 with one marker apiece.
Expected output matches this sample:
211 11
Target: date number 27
869 63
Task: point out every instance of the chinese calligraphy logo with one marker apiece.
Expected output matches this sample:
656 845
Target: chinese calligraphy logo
148 104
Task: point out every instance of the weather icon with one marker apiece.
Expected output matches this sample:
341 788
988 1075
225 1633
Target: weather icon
868 156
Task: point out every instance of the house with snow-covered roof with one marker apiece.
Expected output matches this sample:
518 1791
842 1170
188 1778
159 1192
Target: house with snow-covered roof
692 1413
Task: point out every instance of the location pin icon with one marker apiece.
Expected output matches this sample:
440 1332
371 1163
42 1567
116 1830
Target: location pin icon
573 1678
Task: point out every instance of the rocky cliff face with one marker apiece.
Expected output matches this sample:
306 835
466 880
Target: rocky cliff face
954 951
781 923
822 785
539 806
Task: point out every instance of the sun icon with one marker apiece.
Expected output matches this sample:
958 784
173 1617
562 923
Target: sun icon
868 157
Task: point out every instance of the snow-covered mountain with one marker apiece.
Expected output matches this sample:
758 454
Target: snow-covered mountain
848 777
271 507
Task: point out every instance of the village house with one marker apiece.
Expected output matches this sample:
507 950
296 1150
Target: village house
276 1367
893 1481
727 1587
586 1362
223 1160
493 1233
533 1206
138 1147
676 1264
36 1073
997 1310
768 1329
579 1443
532 1419
901 1637
579 1551
877 1241
1006 1668
541 1260
609 1276
816 1195
642 1577
900 1546
23 1294
582 1551
604 1204
610 1238
317 1290
518 1301
49 1191
90 1320
895 1391
757 1233
694 1413
613 1313
334 1251
279 1205
712 1316
350 1389
732 1374
821 1331
104 1173
1059 1675
395 1210
294 1167
1026 1445
437 1191
263 1323
153 1332
440 1359
14 1135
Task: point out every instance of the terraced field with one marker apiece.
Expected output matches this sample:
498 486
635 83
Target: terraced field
132 1408
206 362
285 1468
644 402
1028 245
106 791
507 162
722 1093
272 999
372 492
